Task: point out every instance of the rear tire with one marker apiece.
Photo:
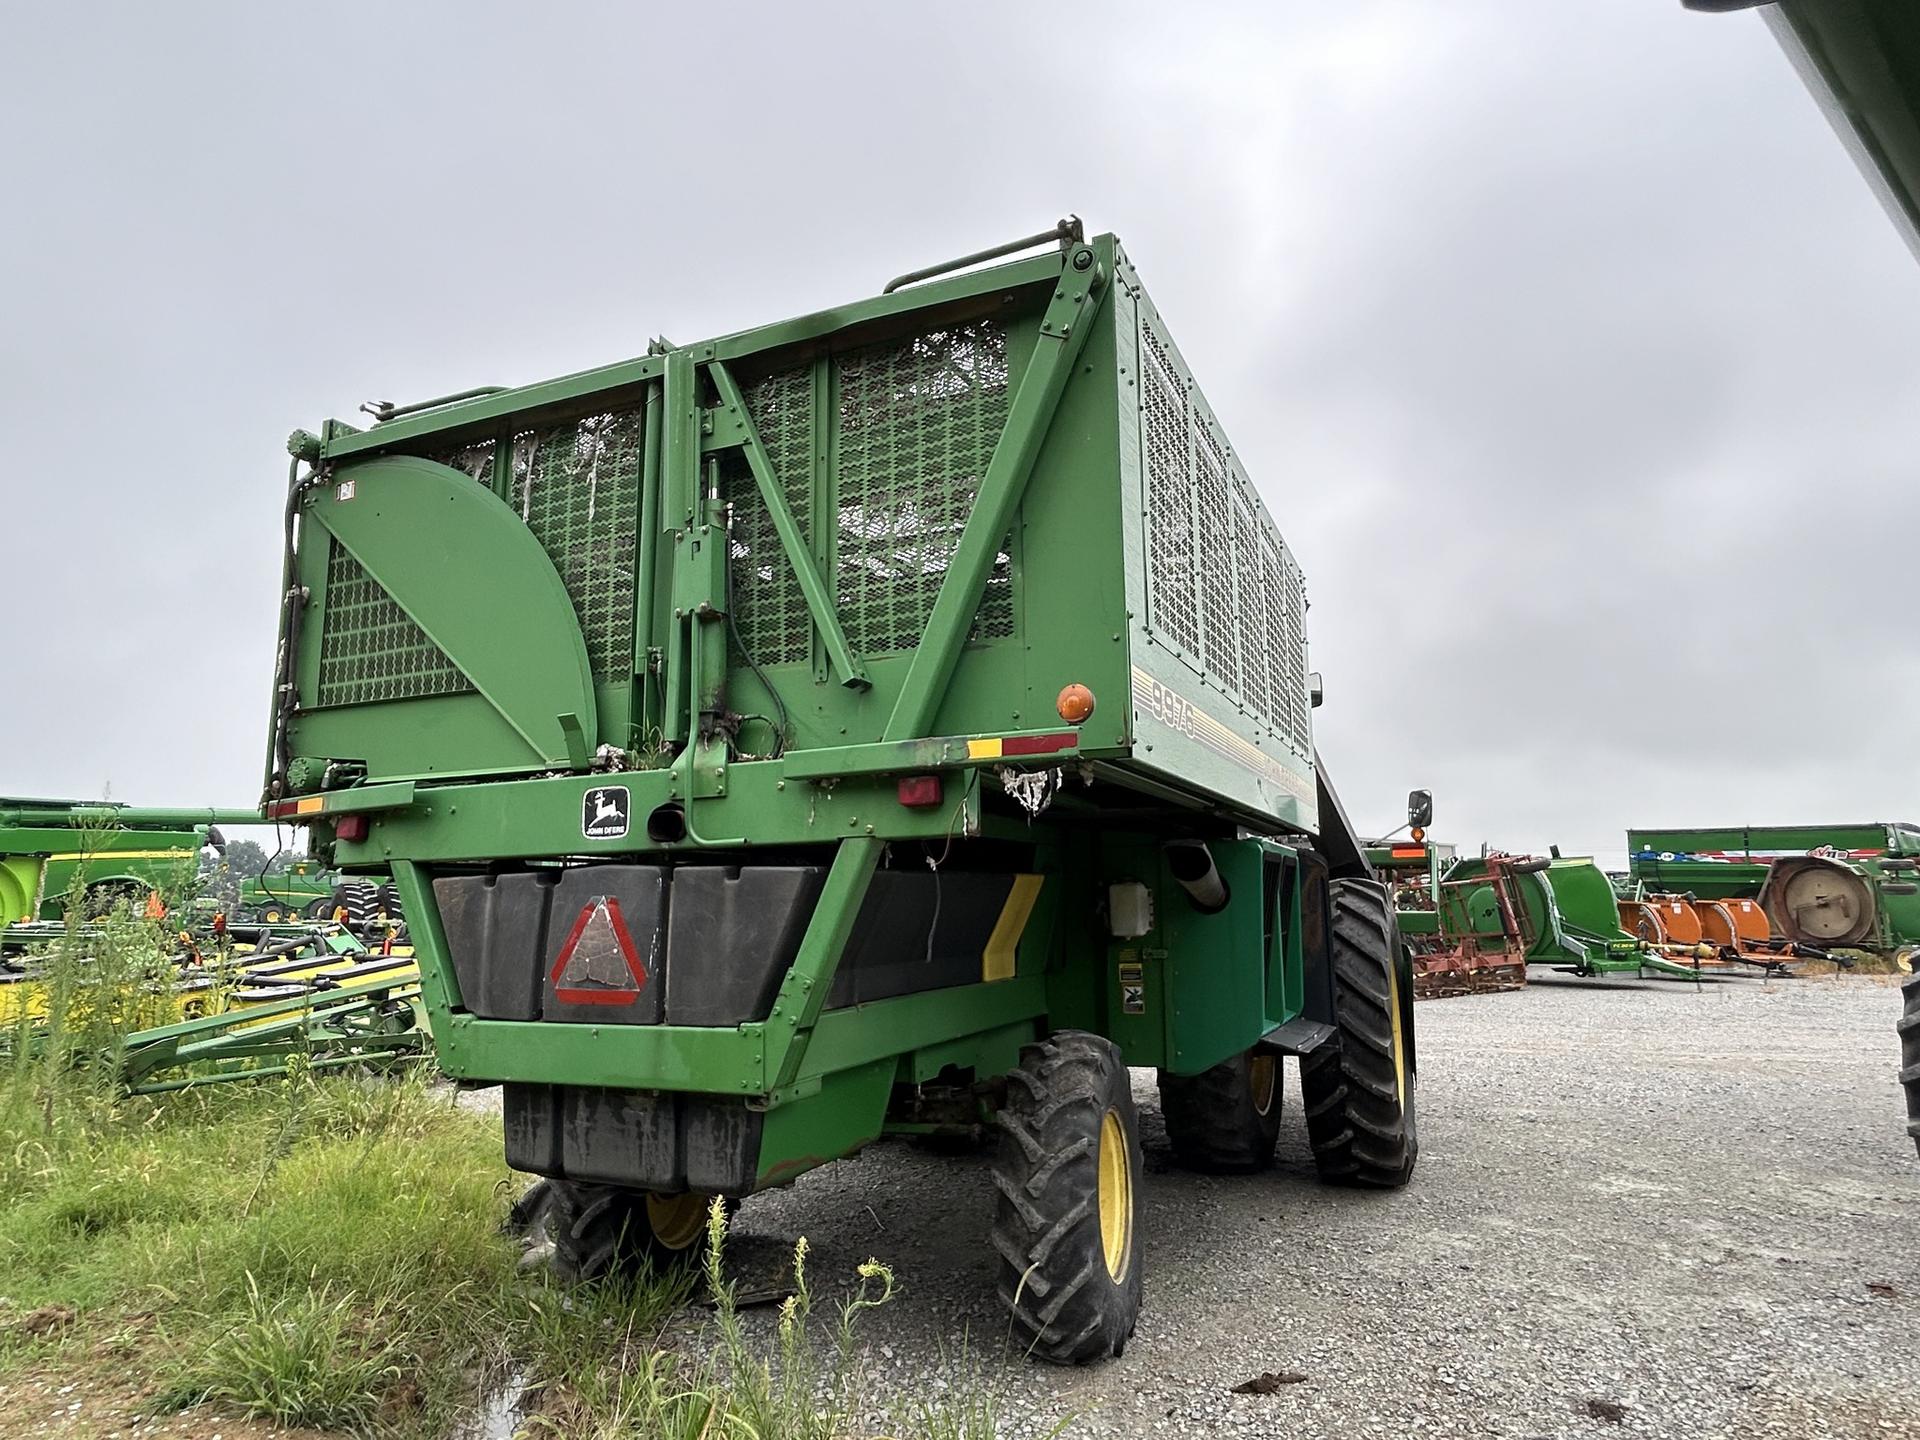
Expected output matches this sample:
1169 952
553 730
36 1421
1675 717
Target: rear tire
1067 1221
1909 1032
601 1230
360 900
1358 1086
1225 1119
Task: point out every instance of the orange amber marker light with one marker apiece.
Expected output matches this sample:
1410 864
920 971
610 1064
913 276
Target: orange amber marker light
1075 704
1418 835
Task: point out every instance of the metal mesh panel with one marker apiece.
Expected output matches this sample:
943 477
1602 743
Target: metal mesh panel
768 606
1280 606
578 488
1257 659
1291 673
370 650
1221 586
1171 587
475 461
919 419
1217 538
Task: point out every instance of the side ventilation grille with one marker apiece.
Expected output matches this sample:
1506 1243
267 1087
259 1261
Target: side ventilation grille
1222 589
370 650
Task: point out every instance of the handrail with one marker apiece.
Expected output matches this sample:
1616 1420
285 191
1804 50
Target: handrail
1068 232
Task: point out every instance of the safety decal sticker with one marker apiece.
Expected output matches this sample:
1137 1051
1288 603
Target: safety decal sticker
598 964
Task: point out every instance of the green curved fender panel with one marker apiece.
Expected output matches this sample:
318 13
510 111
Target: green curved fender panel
19 879
1586 899
457 559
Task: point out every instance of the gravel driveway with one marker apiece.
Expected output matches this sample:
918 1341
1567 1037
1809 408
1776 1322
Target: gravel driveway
1641 1209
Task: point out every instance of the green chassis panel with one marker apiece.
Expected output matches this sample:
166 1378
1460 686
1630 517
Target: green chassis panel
895 530
843 452
1861 60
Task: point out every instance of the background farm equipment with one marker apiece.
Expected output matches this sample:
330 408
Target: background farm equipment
1459 947
1821 887
367 904
53 849
1558 911
303 889
1475 923
781 738
238 1006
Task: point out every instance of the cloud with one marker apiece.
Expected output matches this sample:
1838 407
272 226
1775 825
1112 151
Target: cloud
1565 344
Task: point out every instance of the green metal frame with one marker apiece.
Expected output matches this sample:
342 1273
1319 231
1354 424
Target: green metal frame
477 745
328 1029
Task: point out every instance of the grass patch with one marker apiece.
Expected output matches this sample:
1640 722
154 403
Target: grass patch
325 1252
322 1253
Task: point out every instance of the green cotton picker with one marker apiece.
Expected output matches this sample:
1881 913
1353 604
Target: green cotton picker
892 720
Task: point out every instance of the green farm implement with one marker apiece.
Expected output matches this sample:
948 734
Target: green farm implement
48 848
1559 912
310 891
890 719
303 889
1458 948
243 1008
1837 887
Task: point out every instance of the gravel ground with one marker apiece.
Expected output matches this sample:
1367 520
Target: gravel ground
1640 1209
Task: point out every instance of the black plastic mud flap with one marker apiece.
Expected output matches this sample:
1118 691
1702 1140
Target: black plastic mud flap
645 1141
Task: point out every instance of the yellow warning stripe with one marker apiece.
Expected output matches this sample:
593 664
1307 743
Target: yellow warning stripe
983 749
996 961
177 853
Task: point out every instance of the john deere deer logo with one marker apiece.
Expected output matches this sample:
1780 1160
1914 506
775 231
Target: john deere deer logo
604 811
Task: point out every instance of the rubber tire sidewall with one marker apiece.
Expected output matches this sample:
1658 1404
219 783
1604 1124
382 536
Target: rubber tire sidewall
1212 1122
1057 1097
1339 1080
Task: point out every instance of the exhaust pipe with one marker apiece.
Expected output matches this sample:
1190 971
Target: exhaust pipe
1191 864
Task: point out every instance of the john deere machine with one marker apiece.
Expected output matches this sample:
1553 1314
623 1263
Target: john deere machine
1861 61
308 890
52 849
895 718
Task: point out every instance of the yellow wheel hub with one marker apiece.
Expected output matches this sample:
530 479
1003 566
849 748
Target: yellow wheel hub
1399 1041
1263 1075
1116 1195
677 1220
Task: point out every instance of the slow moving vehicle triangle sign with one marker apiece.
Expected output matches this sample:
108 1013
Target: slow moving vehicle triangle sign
598 964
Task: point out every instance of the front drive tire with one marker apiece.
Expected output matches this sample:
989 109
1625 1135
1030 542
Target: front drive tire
1358 1086
1067 1218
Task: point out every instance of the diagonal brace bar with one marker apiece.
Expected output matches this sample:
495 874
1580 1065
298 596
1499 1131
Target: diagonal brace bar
803 994
1063 331
853 674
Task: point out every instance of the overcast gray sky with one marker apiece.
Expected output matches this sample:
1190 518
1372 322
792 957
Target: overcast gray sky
1572 355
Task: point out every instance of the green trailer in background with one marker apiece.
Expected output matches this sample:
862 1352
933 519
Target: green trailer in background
110 852
303 890
890 720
